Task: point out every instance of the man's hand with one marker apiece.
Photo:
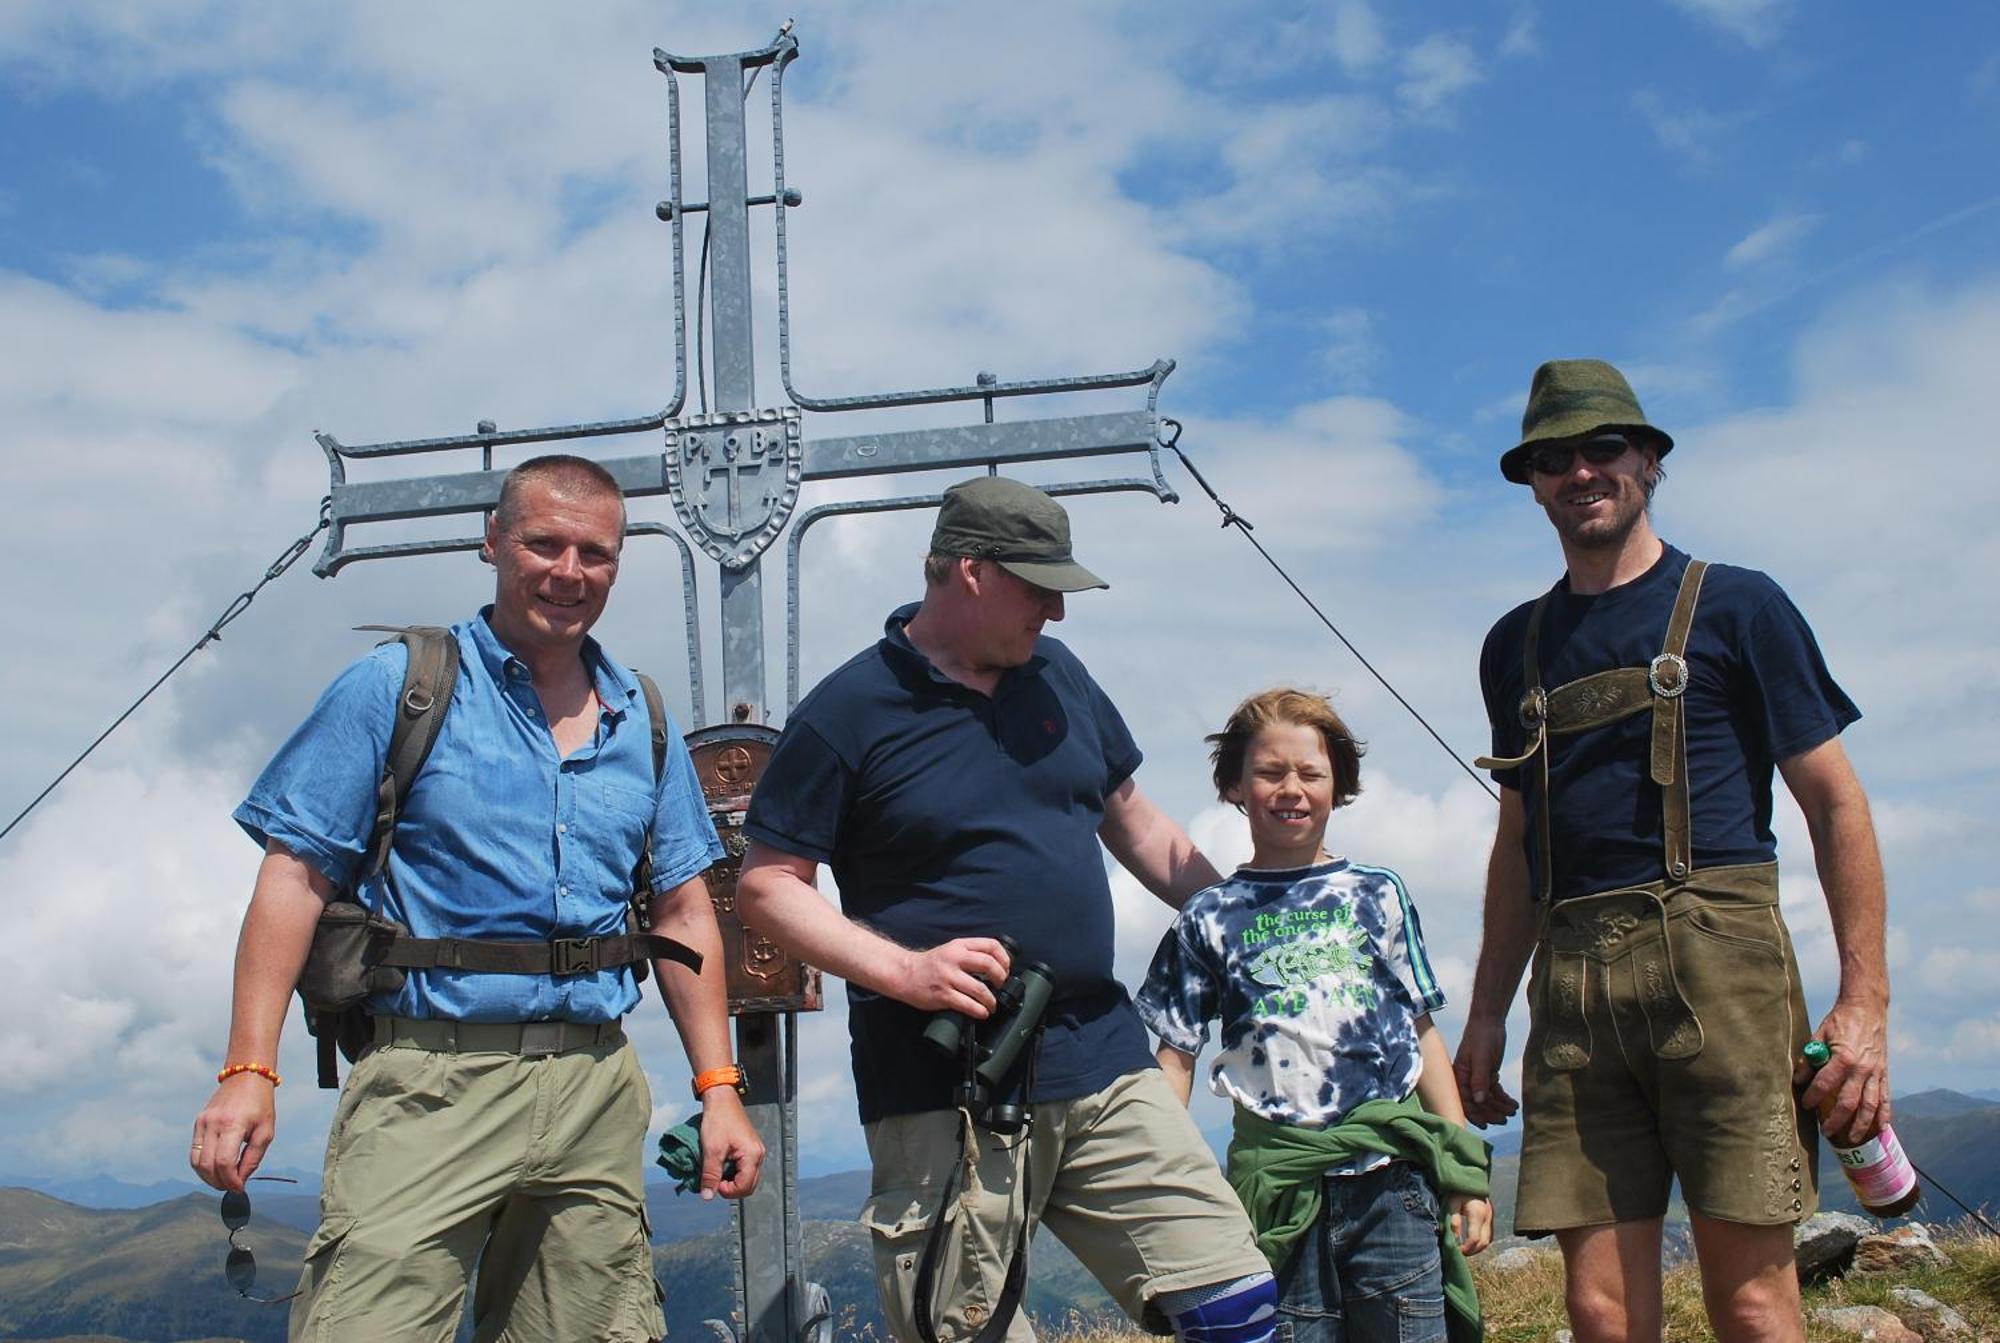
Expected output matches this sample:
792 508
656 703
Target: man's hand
1471 1222
1477 1069
727 1135
1856 1077
959 975
234 1130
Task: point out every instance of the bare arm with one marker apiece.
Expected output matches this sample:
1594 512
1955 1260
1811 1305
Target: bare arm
1850 872
699 1005
1471 1218
235 1128
1508 940
1148 844
1179 1068
777 897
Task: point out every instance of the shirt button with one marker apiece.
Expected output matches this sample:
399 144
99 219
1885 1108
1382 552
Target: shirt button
563 829
562 890
530 711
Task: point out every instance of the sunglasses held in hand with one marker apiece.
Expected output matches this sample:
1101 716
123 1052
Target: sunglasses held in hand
240 1268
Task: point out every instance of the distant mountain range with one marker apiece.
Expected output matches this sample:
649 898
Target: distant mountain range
155 1272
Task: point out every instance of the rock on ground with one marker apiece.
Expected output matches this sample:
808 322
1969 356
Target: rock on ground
1872 1324
1824 1244
1927 1315
1513 1259
1907 1247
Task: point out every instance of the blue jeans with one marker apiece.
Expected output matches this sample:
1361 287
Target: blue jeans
1369 1270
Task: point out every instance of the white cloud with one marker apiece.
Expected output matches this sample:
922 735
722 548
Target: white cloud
1435 71
1756 23
1523 37
1771 241
1690 133
1356 36
1351 353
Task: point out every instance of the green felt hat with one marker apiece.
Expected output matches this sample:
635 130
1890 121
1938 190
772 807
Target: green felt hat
1573 398
1017 527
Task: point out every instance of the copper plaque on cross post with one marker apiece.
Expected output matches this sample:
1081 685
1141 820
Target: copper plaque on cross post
729 759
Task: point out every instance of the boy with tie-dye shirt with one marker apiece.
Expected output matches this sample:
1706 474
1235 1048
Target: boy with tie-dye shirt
1348 1126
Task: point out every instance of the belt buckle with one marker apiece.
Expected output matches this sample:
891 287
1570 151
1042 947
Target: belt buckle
572 956
540 1038
1667 674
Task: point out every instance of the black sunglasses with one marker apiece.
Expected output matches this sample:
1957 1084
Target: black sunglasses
1554 458
241 1266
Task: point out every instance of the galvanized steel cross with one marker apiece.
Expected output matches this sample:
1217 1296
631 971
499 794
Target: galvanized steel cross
760 458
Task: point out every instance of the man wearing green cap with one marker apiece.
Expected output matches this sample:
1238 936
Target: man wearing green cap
1639 709
957 777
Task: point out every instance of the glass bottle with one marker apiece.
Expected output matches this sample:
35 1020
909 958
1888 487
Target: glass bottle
1884 1181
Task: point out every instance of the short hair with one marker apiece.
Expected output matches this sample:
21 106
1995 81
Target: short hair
937 569
558 471
1284 704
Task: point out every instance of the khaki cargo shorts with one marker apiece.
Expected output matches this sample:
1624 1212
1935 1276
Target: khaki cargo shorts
1664 1024
439 1156
1122 1177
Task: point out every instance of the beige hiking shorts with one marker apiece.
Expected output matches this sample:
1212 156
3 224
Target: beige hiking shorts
437 1157
1664 1024
1122 1177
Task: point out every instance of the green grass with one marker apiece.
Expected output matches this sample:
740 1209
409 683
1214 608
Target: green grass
1526 1305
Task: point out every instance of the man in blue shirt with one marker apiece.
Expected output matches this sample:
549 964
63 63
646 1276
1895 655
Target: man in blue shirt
1639 709
958 777
499 1120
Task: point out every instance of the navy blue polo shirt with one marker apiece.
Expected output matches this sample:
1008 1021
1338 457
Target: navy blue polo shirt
946 813
1759 693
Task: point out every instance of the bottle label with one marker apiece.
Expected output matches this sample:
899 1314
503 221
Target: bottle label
1878 1169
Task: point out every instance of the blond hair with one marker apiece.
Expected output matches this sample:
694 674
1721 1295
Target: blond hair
1284 704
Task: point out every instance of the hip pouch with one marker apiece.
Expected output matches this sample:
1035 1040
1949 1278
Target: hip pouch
343 968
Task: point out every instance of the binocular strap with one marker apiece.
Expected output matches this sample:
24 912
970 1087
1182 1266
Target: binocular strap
1016 1283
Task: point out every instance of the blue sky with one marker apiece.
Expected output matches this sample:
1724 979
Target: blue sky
1358 228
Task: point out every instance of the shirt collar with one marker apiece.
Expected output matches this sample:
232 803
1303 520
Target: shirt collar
616 687
896 640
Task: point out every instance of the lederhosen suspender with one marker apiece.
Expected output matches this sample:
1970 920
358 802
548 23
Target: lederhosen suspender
1606 697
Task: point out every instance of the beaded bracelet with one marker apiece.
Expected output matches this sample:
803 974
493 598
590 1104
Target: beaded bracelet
263 1070
727 1075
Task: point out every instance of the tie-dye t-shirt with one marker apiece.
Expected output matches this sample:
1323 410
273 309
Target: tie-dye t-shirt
1317 974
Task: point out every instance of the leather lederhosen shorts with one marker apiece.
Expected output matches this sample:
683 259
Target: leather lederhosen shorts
1664 1024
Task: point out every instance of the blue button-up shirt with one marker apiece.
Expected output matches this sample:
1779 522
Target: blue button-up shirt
498 837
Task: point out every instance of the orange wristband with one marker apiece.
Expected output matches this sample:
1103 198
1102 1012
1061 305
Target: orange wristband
728 1075
263 1070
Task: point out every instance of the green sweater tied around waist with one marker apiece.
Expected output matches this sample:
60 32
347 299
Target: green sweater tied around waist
1276 1171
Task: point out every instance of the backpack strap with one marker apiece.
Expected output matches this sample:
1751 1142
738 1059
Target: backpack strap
642 875
428 682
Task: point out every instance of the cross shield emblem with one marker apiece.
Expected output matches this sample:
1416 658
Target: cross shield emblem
734 479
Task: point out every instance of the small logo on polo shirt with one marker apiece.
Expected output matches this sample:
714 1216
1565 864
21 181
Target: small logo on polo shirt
1049 726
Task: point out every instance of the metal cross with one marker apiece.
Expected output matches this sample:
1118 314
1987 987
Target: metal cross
759 457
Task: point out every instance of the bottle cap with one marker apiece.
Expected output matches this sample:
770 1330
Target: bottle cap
1817 1052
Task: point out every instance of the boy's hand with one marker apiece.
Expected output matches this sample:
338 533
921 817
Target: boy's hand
1471 1222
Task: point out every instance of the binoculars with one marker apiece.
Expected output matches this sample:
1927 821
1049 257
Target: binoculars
991 1047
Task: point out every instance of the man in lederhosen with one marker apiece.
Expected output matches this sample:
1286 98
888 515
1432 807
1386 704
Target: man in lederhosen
1638 709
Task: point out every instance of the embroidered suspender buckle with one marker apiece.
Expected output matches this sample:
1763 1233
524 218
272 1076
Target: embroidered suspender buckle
1534 708
1668 675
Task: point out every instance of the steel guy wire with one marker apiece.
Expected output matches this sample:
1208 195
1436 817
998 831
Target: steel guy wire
213 633
1932 1182
1231 518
